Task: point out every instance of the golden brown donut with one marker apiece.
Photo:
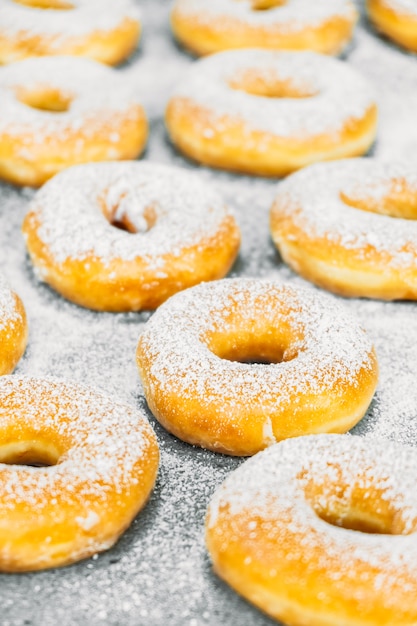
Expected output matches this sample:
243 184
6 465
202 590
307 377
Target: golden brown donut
321 530
126 236
397 19
205 27
60 111
13 328
270 113
99 461
349 226
238 364
102 30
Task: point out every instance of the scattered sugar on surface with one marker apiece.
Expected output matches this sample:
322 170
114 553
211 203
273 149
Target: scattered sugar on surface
341 93
159 572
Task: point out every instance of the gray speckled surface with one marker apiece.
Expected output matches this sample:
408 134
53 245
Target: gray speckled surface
159 572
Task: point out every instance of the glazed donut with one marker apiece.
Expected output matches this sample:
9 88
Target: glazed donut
236 365
350 227
126 236
60 111
270 113
397 19
101 459
13 328
205 27
103 30
303 530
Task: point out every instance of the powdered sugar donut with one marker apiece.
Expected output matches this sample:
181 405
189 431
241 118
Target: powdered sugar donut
350 227
60 111
103 30
102 459
13 328
126 236
206 27
283 531
396 19
236 365
270 113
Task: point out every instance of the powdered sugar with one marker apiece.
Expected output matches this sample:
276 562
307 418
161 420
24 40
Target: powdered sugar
85 16
409 7
340 94
8 312
98 97
312 197
292 16
185 212
272 489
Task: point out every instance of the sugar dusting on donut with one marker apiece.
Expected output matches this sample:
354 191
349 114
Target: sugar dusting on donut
97 94
106 439
8 311
85 16
334 346
73 225
291 17
341 93
403 6
274 481
312 198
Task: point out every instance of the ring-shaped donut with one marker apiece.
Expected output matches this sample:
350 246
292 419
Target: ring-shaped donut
205 27
102 30
350 227
13 328
397 19
60 111
237 364
99 461
126 236
271 113
321 530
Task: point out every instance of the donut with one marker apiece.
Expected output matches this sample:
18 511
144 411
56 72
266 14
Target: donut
205 27
13 328
350 227
238 364
61 111
126 236
270 113
102 30
397 19
99 460
321 530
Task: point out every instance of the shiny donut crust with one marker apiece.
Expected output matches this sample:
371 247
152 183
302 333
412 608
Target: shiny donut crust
104 120
206 32
238 364
99 461
77 250
321 530
208 124
23 33
397 23
346 227
13 329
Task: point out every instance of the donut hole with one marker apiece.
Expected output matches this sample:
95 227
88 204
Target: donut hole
45 99
362 507
269 85
400 201
60 5
265 5
251 348
36 453
122 214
